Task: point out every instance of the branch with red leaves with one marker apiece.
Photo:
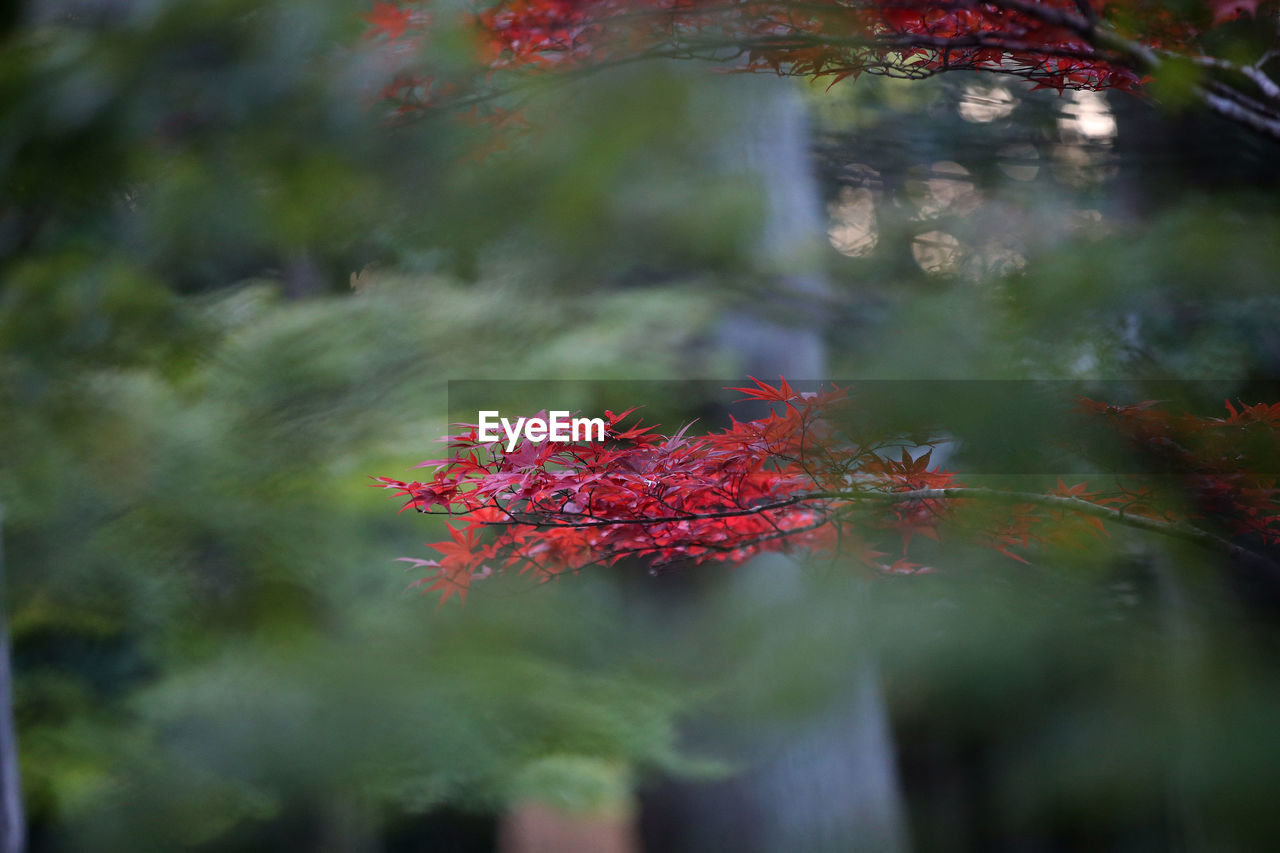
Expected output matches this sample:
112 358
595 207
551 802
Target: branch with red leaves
1059 44
796 480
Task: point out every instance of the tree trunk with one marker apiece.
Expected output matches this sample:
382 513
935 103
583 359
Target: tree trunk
12 826
834 784
533 827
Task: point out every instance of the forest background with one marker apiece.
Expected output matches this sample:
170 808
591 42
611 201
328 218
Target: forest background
230 290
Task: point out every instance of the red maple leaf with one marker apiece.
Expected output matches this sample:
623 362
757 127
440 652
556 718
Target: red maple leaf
388 19
784 483
783 393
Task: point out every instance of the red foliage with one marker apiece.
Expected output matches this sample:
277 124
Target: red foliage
389 20
792 481
1060 44
1225 466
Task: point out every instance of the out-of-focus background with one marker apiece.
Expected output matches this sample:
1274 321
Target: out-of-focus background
229 291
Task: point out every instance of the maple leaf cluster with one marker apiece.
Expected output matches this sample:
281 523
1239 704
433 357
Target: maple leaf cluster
794 481
1223 470
1060 44
761 485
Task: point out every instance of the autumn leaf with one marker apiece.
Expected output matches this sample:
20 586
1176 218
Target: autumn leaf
388 19
764 391
780 483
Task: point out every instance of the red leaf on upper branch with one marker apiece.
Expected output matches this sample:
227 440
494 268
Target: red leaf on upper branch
388 19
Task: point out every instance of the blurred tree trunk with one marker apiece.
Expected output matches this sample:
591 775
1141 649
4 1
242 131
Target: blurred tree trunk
783 332
532 827
571 803
12 828
346 826
832 785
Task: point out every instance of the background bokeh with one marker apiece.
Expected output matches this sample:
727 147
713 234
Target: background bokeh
230 291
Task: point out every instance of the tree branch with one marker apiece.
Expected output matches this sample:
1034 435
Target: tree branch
1172 529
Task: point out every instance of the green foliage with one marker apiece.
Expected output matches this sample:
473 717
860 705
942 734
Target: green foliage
228 293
